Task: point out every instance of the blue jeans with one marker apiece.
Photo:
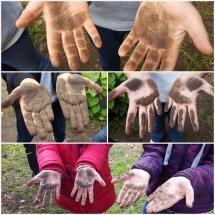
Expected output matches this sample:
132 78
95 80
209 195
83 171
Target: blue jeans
161 212
58 124
108 53
101 136
159 128
23 56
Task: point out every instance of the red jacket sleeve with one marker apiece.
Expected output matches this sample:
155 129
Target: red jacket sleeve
49 157
94 155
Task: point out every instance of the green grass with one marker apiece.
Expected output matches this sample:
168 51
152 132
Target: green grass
17 198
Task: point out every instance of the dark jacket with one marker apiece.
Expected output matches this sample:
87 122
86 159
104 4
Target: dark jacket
65 158
179 164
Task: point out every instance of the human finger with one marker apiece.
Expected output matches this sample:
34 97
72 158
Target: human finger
182 111
189 196
117 92
72 117
84 109
128 43
70 50
142 121
152 60
49 112
207 88
65 109
173 115
168 104
196 29
136 57
193 117
39 193
121 177
131 114
10 99
79 118
30 13
122 193
53 44
93 86
52 197
124 202
169 59
150 113
46 122
98 178
39 126
91 29
158 106
84 196
29 122
34 180
91 194
45 198
78 194
74 189
138 195
81 44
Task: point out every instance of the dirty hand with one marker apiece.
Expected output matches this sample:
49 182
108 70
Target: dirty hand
84 181
35 104
182 95
136 183
159 28
169 193
63 20
50 183
72 97
143 94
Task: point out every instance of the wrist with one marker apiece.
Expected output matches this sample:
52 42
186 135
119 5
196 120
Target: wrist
82 166
140 75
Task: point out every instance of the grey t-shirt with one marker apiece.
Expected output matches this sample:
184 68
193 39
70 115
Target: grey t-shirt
10 12
164 82
114 15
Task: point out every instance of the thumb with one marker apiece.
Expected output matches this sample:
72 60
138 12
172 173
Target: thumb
117 91
30 13
196 29
33 181
120 178
100 180
207 88
189 199
92 85
58 191
9 100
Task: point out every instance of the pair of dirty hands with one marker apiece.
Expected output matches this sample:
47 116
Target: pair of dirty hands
159 29
136 183
36 105
143 95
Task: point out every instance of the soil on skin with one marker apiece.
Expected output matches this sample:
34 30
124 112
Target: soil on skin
189 59
9 131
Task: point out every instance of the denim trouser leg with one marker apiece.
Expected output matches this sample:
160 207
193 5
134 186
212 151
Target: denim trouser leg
23 56
108 53
59 125
101 136
159 125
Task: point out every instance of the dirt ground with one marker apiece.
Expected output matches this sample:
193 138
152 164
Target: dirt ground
189 59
